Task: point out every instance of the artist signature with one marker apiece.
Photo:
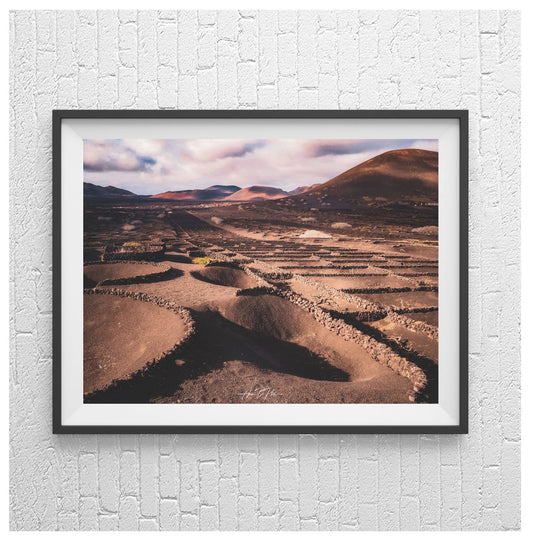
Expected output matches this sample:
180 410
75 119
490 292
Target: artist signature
260 393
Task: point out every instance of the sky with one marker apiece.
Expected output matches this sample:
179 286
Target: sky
151 166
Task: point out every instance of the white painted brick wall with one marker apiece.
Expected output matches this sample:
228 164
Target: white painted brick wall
249 59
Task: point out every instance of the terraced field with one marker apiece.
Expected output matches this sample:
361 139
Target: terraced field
274 317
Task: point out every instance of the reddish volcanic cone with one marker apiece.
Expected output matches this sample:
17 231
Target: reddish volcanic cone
397 175
215 192
256 193
303 189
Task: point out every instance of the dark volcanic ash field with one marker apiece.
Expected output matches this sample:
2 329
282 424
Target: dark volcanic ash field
328 296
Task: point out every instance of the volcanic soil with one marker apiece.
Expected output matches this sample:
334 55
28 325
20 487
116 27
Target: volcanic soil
235 265
121 335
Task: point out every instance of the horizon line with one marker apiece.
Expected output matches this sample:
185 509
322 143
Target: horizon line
253 184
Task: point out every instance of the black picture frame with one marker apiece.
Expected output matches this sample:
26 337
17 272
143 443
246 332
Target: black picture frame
461 115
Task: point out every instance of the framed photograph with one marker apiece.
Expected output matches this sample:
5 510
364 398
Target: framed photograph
260 271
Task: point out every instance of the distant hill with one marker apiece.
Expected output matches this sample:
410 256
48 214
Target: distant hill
395 176
303 189
92 190
215 192
256 193
223 189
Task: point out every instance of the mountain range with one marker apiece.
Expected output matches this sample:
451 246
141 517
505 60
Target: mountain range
92 190
393 176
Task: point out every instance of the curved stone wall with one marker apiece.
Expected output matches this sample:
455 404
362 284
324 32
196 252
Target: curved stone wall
182 312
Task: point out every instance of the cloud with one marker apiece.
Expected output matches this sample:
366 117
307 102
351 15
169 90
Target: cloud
336 149
113 155
147 146
246 148
320 148
147 160
213 149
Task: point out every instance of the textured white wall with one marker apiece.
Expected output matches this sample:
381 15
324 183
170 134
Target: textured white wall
248 59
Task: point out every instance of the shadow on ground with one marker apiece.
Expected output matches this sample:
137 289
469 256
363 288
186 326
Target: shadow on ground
168 275
217 341
429 367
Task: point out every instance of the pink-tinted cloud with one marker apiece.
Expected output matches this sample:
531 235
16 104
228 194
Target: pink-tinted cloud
202 150
106 156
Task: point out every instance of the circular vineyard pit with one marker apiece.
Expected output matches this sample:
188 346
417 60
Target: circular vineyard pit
122 334
96 273
225 276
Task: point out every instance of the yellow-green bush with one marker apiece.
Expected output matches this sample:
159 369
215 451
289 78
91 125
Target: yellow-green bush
202 260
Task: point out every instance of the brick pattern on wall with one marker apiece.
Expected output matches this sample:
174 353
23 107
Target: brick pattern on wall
248 60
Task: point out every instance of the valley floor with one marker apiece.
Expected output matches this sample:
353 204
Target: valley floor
277 318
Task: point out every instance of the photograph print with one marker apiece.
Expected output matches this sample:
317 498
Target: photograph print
277 271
